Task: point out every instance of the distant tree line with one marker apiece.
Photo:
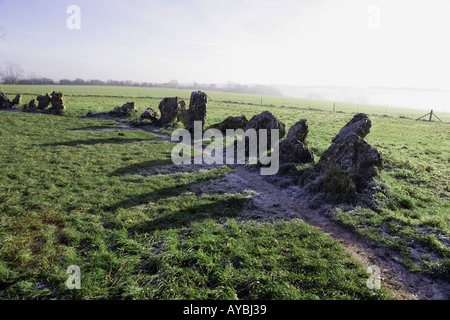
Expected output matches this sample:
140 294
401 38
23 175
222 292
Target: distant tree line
12 74
229 87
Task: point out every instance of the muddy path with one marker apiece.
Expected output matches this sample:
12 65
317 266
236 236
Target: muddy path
401 282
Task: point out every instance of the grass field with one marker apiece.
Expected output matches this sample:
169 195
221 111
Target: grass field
73 197
83 98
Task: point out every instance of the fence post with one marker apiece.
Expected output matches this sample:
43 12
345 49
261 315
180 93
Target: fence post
431 116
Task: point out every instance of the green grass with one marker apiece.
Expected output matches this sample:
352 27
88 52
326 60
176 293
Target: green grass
52 167
81 99
73 197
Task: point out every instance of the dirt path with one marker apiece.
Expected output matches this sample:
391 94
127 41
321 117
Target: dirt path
402 283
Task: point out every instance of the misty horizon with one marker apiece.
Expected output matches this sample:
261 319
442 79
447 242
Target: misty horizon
360 44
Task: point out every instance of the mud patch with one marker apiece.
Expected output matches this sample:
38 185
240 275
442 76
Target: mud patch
118 128
259 207
174 169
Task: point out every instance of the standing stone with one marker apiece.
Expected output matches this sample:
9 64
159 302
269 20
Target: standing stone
17 100
230 123
57 102
4 101
299 130
266 120
197 110
169 109
31 106
351 153
294 148
127 110
150 114
183 115
293 151
44 101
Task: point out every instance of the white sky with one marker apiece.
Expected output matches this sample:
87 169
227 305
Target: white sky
301 42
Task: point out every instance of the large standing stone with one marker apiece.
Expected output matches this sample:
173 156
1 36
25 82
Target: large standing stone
169 109
230 123
17 100
351 153
294 148
197 110
360 125
44 101
4 101
57 102
266 120
299 130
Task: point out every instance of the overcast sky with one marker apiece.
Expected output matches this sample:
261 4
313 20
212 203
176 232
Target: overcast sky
400 43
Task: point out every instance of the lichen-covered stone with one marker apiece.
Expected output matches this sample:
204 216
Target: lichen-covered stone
197 110
149 114
127 110
230 123
43 101
169 109
351 153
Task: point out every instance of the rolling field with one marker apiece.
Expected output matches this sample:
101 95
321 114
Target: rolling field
71 194
81 98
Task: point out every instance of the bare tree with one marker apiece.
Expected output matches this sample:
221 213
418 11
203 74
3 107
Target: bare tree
11 73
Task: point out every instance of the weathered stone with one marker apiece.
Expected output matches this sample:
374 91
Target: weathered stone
351 153
183 115
299 130
293 151
266 120
4 101
230 123
127 110
197 110
169 109
150 114
31 105
360 125
57 102
44 101
294 148
17 100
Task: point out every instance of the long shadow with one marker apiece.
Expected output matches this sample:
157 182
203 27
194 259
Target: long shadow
139 199
97 127
161 193
142 165
221 208
75 143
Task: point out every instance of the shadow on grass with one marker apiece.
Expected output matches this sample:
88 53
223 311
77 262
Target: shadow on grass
134 168
74 143
156 195
98 127
225 207
172 207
